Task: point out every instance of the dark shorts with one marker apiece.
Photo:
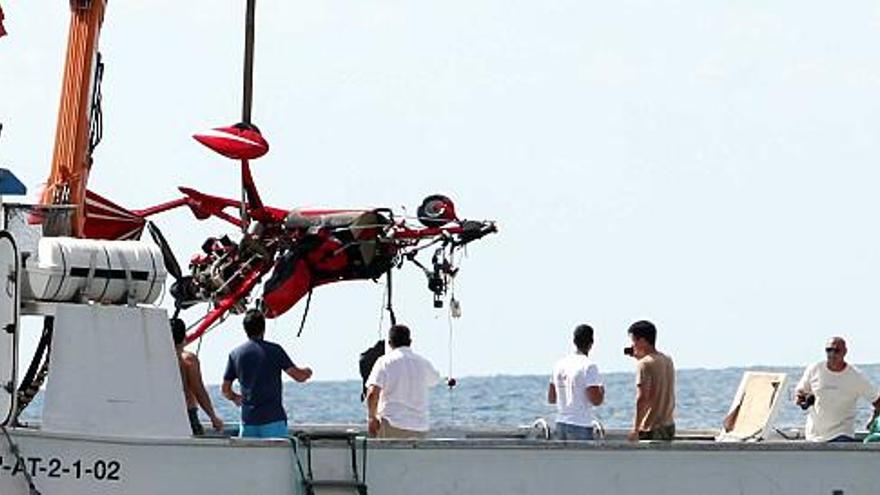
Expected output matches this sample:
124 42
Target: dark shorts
842 439
194 422
665 433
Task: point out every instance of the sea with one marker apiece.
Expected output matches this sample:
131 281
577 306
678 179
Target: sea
703 398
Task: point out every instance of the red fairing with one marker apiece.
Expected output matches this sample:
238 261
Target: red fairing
329 256
2 31
237 142
283 297
107 220
328 260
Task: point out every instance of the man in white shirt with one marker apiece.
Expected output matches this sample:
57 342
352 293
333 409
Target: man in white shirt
397 390
575 388
829 391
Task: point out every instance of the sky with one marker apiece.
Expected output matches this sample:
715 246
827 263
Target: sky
710 166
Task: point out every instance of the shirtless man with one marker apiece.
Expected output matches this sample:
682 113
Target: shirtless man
193 388
655 386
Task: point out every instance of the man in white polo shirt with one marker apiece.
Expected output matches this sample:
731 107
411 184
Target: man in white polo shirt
575 388
830 391
397 390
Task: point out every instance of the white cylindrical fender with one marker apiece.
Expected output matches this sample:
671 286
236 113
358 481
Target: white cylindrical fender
110 272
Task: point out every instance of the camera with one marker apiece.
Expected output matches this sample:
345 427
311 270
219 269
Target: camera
809 400
628 351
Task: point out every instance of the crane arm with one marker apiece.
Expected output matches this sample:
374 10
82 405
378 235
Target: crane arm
72 157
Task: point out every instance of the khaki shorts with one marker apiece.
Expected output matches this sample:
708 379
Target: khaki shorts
388 431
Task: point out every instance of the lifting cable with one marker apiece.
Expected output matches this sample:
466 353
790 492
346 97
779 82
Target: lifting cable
450 381
454 313
386 305
381 314
389 306
202 336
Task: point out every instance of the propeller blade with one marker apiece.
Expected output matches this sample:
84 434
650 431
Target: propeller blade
171 264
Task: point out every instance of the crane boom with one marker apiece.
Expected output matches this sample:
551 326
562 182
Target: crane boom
72 157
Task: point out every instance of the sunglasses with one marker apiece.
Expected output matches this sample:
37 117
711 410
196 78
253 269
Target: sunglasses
832 350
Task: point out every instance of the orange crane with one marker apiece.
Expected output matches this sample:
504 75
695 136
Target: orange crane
79 121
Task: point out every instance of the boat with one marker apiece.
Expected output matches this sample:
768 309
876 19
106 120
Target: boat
114 422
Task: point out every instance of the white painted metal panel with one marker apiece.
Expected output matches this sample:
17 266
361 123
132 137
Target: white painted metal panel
620 468
9 303
114 371
61 464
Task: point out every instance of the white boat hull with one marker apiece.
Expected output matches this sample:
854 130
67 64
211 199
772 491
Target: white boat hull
75 464
619 469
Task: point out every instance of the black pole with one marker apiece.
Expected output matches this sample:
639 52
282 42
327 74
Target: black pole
248 62
390 306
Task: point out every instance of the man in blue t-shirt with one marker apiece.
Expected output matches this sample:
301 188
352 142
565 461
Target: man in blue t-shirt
257 365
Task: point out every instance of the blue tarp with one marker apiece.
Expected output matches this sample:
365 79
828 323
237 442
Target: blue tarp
9 183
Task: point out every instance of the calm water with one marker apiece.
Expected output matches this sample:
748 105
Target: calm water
703 398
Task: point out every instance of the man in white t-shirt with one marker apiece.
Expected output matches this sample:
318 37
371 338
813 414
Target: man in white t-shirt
575 388
397 390
829 391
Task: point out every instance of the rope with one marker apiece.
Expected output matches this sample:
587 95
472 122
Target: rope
454 312
386 305
389 307
450 383
199 345
302 323
381 314
19 461
217 323
450 351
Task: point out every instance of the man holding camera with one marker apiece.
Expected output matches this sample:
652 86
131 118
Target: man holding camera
829 391
655 386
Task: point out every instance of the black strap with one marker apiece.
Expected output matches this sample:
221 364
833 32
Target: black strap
63 273
302 324
389 306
